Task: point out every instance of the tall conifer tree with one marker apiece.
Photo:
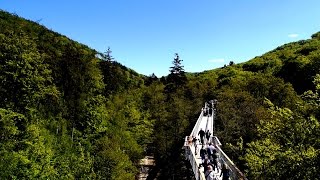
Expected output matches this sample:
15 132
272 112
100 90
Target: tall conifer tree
177 76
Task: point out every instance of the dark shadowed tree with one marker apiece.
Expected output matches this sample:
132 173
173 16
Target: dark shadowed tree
107 55
177 77
150 79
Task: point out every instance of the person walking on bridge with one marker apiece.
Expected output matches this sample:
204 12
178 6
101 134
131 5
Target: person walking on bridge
201 133
205 164
209 174
203 153
215 159
225 172
208 134
210 112
211 149
194 140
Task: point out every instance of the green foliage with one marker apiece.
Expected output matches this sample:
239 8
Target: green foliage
70 112
25 149
118 78
111 162
54 113
316 35
177 77
286 148
24 77
296 62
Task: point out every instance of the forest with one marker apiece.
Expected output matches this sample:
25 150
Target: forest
68 111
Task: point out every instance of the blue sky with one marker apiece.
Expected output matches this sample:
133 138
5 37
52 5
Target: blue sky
145 34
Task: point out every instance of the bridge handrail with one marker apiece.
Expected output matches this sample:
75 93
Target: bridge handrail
235 173
224 159
192 158
216 141
209 118
194 133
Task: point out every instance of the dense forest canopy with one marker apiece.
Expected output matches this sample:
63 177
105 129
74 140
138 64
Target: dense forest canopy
70 112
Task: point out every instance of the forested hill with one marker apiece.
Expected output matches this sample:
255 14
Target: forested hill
295 62
269 111
69 112
61 109
53 47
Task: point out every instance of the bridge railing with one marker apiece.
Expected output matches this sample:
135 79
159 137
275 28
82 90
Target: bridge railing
196 127
224 159
189 155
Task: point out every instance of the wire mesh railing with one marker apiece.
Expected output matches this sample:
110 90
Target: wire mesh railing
191 157
235 174
196 127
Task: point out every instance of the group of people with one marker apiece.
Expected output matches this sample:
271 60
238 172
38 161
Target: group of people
208 152
207 111
225 173
209 158
209 108
201 133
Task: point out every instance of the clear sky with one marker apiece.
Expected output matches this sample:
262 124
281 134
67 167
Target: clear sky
144 34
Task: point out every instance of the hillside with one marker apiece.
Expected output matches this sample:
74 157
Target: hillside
268 110
66 114
296 62
55 117
54 47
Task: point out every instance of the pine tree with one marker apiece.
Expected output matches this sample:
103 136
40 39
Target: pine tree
177 68
177 76
107 55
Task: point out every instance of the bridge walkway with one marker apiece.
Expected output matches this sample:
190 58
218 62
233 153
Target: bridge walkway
192 151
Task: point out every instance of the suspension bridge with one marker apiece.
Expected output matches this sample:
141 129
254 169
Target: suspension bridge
206 122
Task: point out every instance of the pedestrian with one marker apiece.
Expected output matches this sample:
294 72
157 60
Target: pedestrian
190 138
208 134
194 140
205 164
215 159
209 174
203 153
211 149
201 133
225 172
